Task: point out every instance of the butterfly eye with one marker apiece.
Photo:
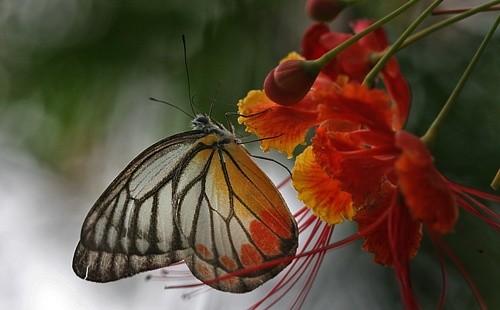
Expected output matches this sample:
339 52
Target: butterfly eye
201 122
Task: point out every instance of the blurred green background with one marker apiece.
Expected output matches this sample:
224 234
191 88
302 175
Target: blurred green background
75 78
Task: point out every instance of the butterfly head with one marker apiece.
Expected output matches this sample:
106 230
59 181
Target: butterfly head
208 126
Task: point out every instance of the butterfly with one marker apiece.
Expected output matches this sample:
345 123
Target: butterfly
196 196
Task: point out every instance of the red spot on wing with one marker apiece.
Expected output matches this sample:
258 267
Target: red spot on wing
204 271
277 224
265 239
229 263
250 257
267 231
230 281
204 251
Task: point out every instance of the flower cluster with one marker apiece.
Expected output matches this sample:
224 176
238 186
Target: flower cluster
360 165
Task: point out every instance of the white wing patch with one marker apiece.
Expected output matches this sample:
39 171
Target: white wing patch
131 226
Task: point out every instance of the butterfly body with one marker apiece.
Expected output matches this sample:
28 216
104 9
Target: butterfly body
195 196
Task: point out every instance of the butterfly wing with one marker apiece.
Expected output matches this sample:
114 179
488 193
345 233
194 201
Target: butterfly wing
131 228
232 216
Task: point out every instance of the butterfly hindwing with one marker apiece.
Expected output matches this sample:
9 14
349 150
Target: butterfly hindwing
131 227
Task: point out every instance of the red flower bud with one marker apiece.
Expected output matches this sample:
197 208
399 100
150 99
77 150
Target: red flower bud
324 10
290 82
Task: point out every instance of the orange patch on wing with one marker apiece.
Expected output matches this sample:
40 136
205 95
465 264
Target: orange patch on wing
277 224
319 192
264 201
229 263
251 184
230 281
250 257
204 251
264 238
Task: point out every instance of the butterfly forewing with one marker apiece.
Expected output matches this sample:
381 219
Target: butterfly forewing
240 221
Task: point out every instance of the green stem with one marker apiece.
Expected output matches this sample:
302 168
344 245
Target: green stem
425 32
496 181
430 136
370 77
326 58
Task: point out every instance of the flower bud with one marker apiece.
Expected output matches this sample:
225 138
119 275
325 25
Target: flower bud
324 10
290 82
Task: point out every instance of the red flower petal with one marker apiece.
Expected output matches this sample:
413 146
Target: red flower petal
357 104
375 41
354 166
404 235
425 192
396 85
355 61
311 48
399 91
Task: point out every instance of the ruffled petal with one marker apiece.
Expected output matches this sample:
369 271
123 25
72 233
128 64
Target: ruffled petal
292 123
406 232
320 193
355 168
357 104
355 61
426 193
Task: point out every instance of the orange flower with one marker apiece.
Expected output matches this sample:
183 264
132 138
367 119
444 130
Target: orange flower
362 159
362 167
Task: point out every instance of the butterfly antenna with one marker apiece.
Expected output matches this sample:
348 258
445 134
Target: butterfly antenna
213 99
265 158
231 127
172 105
187 74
